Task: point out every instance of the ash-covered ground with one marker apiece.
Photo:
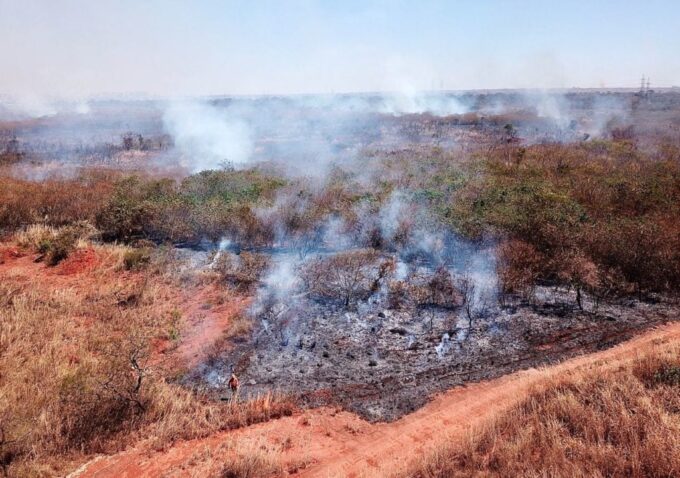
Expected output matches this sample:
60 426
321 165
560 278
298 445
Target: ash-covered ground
419 320
383 356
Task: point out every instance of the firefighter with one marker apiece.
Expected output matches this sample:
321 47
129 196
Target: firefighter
233 384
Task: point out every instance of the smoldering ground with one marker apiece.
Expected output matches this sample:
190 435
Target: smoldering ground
361 294
378 314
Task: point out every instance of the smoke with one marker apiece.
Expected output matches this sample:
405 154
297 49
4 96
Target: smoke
32 106
444 346
305 135
552 106
411 101
282 277
278 285
480 269
27 106
335 234
571 116
391 214
222 246
206 136
607 109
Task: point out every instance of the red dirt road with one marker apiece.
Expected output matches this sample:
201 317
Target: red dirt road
325 443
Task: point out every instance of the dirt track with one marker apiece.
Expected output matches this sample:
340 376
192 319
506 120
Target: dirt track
326 443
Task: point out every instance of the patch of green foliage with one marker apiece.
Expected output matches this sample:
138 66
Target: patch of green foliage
207 204
606 205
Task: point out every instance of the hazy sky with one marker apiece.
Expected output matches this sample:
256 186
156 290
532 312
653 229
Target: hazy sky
171 47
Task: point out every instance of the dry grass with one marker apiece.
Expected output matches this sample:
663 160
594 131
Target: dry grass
610 419
79 374
252 462
234 458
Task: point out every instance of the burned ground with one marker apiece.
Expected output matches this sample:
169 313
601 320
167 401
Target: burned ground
362 258
382 362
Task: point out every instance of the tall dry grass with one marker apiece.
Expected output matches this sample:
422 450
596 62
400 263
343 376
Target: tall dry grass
619 419
79 375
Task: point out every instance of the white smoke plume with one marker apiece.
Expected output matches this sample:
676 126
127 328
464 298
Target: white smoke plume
391 214
417 102
207 136
30 106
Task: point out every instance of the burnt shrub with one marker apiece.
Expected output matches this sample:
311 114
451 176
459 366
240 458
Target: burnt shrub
436 288
519 267
397 295
242 270
344 277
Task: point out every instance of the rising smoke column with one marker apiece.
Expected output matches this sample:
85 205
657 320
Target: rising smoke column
208 136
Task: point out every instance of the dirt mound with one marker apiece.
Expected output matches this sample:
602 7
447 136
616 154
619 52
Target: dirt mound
327 443
80 261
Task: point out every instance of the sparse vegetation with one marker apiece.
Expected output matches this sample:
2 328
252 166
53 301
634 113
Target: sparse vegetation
136 259
53 202
254 463
241 270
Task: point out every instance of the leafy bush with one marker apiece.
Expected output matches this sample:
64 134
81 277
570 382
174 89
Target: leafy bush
55 245
64 243
668 375
208 205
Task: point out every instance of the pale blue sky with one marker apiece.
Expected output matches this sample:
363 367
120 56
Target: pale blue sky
172 47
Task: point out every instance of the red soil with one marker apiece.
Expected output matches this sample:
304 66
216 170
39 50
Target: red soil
79 262
319 442
10 253
205 319
323 443
21 266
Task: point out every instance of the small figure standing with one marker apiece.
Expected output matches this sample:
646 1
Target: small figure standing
233 385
